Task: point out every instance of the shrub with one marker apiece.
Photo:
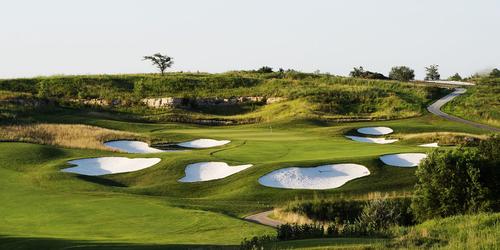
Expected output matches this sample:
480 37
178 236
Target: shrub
256 242
455 77
361 73
495 73
296 231
338 210
265 69
402 73
378 215
489 151
449 184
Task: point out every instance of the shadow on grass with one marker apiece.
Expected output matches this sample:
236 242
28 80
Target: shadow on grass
30 243
101 181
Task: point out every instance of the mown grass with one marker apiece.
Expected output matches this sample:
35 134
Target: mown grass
32 207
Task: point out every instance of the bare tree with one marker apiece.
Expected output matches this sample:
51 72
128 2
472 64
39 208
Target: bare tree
162 62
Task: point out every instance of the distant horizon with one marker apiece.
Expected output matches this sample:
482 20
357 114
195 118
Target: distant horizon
483 73
57 37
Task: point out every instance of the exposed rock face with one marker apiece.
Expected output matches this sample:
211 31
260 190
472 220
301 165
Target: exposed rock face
271 100
161 102
173 102
165 102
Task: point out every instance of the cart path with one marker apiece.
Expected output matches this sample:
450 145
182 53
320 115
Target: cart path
435 108
263 218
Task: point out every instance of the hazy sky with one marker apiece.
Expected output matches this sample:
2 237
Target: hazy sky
111 36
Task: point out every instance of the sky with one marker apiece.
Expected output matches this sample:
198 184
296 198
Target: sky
54 37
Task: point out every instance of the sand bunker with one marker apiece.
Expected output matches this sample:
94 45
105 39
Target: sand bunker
372 140
375 130
322 177
205 171
109 165
203 143
132 146
430 145
403 160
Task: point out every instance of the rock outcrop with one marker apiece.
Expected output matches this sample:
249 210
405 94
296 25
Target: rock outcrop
174 102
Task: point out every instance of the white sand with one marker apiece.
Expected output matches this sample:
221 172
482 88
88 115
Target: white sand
403 160
430 145
205 171
375 130
109 165
132 146
203 143
321 177
372 140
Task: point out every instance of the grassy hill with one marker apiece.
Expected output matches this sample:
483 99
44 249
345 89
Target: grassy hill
480 103
308 96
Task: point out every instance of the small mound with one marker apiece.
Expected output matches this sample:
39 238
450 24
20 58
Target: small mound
203 143
372 140
403 160
375 130
430 145
321 177
205 171
132 147
109 165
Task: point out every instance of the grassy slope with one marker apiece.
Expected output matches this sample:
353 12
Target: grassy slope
310 95
480 231
480 103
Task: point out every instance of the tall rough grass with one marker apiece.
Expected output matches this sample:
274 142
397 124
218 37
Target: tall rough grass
480 103
64 135
480 231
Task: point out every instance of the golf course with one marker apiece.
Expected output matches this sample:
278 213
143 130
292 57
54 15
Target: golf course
75 174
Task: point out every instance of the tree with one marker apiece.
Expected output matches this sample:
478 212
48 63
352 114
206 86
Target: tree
357 72
362 73
448 183
432 72
495 73
455 77
402 73
265 69
162 62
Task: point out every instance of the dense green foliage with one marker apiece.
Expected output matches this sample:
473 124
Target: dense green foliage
380 214
362 73
455 77
450 183
432 73
402 73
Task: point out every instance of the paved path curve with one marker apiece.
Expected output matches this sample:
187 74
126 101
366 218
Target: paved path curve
263 218
435 108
